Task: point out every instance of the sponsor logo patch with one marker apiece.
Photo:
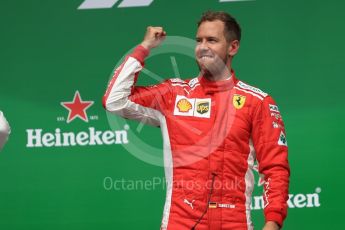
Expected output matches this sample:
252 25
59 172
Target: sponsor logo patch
202 107
195 107
177 80
184 106
274 108
249 87
276 115
193 82
189 203
277 125
238 101
282 139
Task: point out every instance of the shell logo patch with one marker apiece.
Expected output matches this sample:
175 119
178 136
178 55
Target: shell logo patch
184 106
238 101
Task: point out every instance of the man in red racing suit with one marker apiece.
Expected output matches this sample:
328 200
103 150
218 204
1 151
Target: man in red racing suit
213 132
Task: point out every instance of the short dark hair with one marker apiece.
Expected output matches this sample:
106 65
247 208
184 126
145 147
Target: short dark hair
232 29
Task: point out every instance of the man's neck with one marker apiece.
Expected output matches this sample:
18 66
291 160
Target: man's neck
224 75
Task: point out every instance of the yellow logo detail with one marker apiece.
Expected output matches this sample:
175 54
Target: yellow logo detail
184 105
238 101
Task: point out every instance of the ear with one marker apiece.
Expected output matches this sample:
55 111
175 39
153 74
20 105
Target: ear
233 48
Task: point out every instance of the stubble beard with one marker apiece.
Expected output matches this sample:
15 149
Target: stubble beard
215 70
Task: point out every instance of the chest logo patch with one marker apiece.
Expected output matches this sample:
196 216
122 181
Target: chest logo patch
202 107
238 101
184 105
192 107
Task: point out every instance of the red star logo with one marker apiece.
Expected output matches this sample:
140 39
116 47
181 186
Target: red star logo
77 108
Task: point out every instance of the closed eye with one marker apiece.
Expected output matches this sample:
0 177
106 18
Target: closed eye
212 39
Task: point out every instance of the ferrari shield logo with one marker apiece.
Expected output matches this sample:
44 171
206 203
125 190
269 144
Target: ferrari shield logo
238 101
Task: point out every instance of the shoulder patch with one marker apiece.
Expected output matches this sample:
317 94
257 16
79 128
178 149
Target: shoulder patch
251 88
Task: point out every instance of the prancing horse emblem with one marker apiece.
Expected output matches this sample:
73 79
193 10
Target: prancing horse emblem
238 101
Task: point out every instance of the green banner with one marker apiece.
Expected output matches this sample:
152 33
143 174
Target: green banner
69 165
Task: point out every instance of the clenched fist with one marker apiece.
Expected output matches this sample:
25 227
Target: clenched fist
154 37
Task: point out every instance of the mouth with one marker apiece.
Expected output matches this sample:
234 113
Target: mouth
205 57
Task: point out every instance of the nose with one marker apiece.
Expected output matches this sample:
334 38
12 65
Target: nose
202 45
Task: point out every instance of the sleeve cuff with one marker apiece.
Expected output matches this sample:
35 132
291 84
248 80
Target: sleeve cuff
276 217
140 53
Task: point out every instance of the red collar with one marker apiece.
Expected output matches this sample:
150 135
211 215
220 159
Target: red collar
218 86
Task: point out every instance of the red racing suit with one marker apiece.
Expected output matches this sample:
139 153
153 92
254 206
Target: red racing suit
213 132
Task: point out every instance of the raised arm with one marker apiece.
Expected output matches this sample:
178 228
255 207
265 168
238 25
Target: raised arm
123 98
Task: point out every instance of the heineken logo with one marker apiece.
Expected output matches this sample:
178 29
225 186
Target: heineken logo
75 109
39 138
299 200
